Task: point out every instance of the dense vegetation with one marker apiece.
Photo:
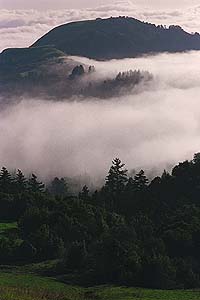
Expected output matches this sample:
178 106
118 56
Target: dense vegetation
49 73
118 38
131 231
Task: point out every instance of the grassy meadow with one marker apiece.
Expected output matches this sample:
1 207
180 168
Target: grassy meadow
16 286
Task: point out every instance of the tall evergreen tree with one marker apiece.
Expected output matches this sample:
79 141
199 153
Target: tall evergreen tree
140 181
20 181
117 177
5 181
35 185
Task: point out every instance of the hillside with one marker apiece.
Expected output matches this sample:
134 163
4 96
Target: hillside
34 71
117 38
16 56
32 287
49 72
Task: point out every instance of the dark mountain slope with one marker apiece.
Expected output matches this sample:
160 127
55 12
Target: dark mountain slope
29 55
33 70
118 38
48 72
15 61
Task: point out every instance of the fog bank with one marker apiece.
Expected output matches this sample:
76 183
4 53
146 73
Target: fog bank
152 129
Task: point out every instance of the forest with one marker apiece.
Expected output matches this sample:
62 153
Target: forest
132 231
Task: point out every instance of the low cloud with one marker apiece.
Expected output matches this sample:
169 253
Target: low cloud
152 129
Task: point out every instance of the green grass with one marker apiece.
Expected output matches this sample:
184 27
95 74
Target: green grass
123 293
32 287
5 227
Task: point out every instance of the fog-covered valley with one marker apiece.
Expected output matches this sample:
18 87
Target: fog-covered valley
152 126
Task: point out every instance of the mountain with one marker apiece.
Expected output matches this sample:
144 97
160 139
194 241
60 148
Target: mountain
16 56
19 62
117 38
33 71
48 72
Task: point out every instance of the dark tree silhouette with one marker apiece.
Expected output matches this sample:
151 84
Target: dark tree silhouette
117 177
140 181
5 181
84 194
58 187
35 185
20 181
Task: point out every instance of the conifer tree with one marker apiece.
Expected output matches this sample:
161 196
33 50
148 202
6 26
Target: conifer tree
58 187
35 185
84 194
117 177
20 181
5 181
140 181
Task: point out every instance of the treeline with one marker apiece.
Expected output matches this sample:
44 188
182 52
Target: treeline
58 80
123 84
131 231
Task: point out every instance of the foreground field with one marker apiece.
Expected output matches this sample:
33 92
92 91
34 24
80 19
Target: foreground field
33 287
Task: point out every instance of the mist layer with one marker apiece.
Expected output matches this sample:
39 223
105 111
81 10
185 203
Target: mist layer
151 129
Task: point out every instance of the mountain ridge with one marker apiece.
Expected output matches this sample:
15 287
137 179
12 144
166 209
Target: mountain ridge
119 37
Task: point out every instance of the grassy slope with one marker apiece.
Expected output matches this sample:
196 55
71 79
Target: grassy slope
32 287
122 293
4 227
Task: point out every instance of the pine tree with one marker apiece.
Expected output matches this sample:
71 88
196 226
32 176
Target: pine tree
130 186
165 176
34 185
140 181
59 187
20 181
84 194
5 181
117 177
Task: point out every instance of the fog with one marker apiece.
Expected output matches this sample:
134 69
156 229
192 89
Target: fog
153 129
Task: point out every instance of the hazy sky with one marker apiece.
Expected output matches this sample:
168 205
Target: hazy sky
50 4
22 22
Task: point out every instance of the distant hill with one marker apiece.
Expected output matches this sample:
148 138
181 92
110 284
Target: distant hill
48 72
33 70
16 56
16 62
117 38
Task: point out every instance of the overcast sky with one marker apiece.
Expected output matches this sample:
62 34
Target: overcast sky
58 4
22 22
